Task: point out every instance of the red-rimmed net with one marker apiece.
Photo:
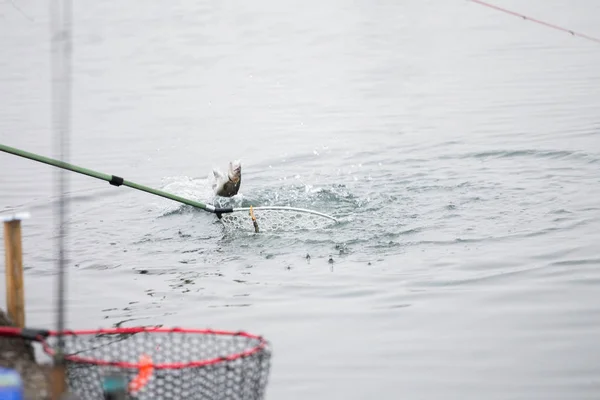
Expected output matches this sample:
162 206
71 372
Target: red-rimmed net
186 364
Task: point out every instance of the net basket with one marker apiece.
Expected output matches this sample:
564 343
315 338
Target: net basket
161 363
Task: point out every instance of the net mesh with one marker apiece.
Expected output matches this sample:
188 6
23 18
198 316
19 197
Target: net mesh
231 377
274 220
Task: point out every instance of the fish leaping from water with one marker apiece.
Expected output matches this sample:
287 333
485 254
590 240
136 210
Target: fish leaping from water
228 185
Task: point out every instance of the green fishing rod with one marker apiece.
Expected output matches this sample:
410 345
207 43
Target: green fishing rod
114 180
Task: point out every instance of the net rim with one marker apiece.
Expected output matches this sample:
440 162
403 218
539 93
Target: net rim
286 208
261 346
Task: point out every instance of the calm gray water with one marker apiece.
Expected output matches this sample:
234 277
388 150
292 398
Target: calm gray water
459 146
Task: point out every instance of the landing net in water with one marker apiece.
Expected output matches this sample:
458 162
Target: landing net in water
274 219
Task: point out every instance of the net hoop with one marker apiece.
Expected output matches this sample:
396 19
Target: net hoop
42 335
284 208
261 344
274 219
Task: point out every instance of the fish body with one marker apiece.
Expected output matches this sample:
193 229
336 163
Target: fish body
228 185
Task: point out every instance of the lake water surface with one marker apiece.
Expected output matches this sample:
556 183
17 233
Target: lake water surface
458 146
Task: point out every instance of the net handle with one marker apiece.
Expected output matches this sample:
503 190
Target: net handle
119 181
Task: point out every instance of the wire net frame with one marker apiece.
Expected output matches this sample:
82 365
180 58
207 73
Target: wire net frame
276 219
165 363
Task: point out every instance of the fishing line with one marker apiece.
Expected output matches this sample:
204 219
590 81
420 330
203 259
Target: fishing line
516 14
20 11
60 35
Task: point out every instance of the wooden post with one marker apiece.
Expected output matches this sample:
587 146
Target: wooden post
15 296
58 379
